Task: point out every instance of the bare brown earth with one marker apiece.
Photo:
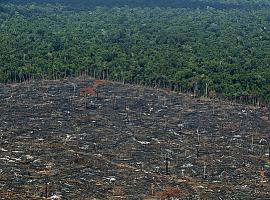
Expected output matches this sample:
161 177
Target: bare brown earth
114 146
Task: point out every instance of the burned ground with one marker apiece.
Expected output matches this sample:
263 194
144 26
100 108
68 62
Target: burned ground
115 146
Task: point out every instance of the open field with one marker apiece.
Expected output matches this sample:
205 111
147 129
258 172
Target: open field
55 143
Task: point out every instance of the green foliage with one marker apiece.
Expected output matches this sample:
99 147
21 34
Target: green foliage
227 51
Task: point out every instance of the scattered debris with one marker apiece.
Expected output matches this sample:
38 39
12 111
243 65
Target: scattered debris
130 143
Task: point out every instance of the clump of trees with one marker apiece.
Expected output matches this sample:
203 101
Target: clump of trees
209 52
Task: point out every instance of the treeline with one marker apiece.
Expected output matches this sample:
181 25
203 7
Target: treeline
91 4
210 52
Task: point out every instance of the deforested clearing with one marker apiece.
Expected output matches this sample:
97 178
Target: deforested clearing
129 142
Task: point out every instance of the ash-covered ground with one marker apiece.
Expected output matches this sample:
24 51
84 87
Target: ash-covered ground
57 144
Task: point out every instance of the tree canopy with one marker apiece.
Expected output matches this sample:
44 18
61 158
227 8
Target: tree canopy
207 51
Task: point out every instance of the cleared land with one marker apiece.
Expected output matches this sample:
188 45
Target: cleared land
115 146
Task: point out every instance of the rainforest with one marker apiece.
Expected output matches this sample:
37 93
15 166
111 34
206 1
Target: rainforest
211 48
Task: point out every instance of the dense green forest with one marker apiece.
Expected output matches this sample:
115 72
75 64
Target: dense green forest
220 4
210 48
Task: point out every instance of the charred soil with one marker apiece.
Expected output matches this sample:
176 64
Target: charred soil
130 142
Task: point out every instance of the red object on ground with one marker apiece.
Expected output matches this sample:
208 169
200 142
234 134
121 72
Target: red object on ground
98 83
87 91
91 90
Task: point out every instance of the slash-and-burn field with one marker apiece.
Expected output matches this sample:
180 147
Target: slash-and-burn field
129 143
